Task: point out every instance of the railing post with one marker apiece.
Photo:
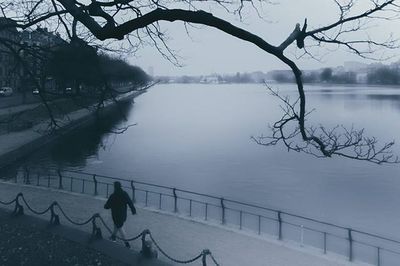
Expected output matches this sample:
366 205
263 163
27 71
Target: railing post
324 242
19 209
95 185
223 211
27 176
60 182
190 208
350 245
175 200
240 219
259 224
159 201
206 212
48 180
83 186
147 196
38 180
54 219
379 256
279 226
301 235
133 192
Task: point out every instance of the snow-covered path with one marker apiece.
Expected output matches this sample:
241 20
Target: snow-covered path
179 237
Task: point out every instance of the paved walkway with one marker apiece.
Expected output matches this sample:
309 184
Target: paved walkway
181 238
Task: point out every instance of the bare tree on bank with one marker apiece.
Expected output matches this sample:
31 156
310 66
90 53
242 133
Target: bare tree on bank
138 23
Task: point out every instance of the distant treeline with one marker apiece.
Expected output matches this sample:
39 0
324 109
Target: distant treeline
383 75
79 65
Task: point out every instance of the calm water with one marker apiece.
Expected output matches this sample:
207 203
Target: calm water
197 137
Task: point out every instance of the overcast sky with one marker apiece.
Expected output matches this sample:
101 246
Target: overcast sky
208 50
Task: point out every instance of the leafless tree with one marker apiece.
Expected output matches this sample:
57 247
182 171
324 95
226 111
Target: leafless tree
138 22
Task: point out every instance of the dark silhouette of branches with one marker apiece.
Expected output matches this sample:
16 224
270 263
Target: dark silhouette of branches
139 20
323 142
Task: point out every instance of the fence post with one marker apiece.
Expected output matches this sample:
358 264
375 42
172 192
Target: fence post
60 183
175 200
223 211
205 253
96 231
379 256
240 219
95 185
145 248
350 245
280 226
302 235
324 242
27 176
133 192
54 219
19 209
38 180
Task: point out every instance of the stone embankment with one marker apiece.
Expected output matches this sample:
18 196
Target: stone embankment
16 145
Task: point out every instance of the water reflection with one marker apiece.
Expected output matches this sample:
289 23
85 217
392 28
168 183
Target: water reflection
73 150
354 99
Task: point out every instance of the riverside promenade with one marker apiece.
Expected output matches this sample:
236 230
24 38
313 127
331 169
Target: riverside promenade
182 238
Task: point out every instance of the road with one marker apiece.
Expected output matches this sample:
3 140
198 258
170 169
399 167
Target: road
18 99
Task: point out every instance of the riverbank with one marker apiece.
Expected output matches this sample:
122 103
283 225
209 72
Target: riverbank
19 144
181 238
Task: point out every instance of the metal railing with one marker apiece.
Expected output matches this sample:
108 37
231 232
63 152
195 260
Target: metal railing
96 230
327 237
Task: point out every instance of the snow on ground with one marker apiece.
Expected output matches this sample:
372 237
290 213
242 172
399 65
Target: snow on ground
182 238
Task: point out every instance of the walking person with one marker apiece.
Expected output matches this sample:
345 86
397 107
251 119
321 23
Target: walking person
118 202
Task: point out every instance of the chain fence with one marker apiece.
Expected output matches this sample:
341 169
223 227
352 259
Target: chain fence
96 230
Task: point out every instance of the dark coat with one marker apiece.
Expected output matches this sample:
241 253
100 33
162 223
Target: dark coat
118 202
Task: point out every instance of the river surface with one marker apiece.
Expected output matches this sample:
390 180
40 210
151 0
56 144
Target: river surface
198 137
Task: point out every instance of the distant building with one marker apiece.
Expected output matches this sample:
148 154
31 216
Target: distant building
362 78
210 79
32 47
9 67
41 37
36 47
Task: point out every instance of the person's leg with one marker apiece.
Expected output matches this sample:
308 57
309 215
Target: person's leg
123 236
122 232
114 233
